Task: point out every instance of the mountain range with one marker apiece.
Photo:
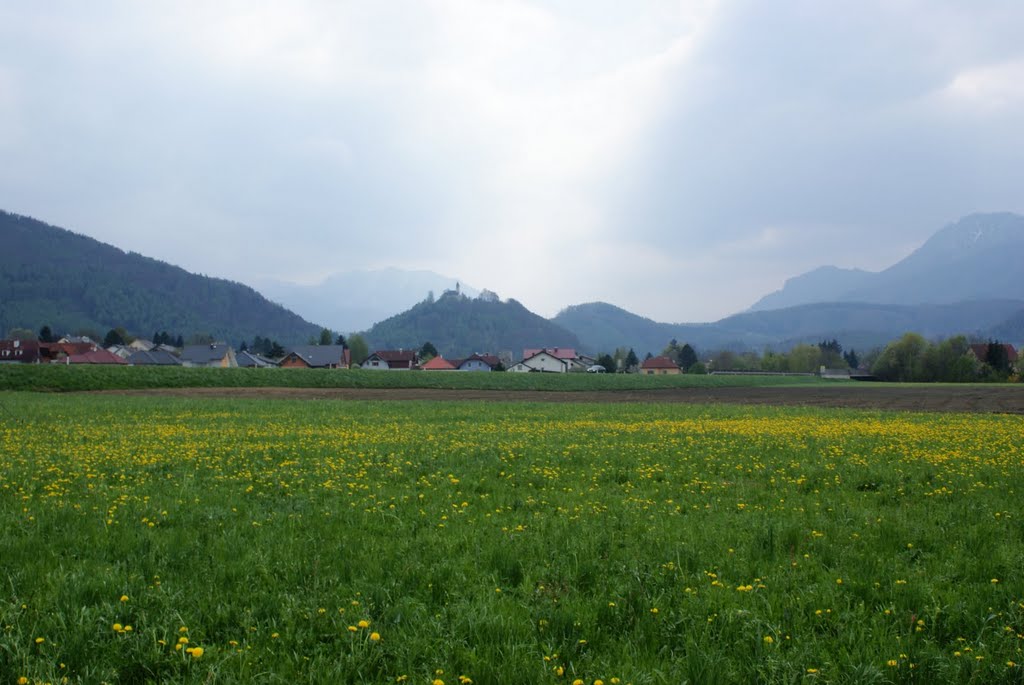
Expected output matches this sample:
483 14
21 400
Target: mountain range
978 257
964 280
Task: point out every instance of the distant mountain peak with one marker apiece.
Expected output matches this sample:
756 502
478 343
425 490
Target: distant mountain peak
975 257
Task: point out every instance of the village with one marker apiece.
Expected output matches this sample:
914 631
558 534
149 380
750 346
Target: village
77 350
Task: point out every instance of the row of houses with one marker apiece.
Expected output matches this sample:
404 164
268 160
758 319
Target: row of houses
222 355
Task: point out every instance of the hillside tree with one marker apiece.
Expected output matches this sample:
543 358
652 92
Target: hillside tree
687 357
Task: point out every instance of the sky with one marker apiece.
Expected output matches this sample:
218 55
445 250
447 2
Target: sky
678 159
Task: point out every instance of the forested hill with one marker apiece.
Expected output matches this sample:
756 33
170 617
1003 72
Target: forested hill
70 282
459 326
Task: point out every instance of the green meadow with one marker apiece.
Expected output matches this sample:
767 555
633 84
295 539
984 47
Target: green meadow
157 540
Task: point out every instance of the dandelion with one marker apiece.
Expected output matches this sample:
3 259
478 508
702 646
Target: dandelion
117 627
437 681
892 663
40 640
364 624
768 639
375 637
124 598
195 652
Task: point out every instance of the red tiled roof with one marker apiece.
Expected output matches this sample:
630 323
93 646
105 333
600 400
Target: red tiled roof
659 363
981 351
438 364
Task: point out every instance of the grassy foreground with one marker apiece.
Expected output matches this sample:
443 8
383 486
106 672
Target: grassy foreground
166 540
58 378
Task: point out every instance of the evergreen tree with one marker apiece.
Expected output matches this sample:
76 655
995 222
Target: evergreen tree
112 338
428 351
46 335
631 361
325 337
607 362
687 357
341 341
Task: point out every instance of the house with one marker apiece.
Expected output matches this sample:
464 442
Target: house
58 352
660 366
542 361
576 361
317 357
218 355
479 362
439 364
97 356
19 352
122 351
391 360
251 360
153 358
980 351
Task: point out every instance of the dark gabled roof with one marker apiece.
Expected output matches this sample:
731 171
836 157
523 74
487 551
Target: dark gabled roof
564 353
153 358
659 363
395 355
99 356
249 360
204 354
488 359
320 355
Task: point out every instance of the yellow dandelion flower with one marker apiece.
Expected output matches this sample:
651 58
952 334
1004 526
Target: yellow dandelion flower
117 627
364 624
768 639
892 663
40 640
22 680
124 598
375 637
437 681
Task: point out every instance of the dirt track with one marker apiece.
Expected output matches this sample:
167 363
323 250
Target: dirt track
1005 399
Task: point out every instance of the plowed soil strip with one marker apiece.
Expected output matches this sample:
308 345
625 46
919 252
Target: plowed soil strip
1003 399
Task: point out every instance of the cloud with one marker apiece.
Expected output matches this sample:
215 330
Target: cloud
554 152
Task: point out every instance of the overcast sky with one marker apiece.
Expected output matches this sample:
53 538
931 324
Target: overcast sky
678 159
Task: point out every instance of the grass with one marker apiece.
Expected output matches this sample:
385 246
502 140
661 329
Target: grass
505 543
58 378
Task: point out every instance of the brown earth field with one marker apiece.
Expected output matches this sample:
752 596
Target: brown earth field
997 399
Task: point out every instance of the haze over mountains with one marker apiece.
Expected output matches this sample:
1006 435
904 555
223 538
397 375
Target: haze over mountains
355 300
